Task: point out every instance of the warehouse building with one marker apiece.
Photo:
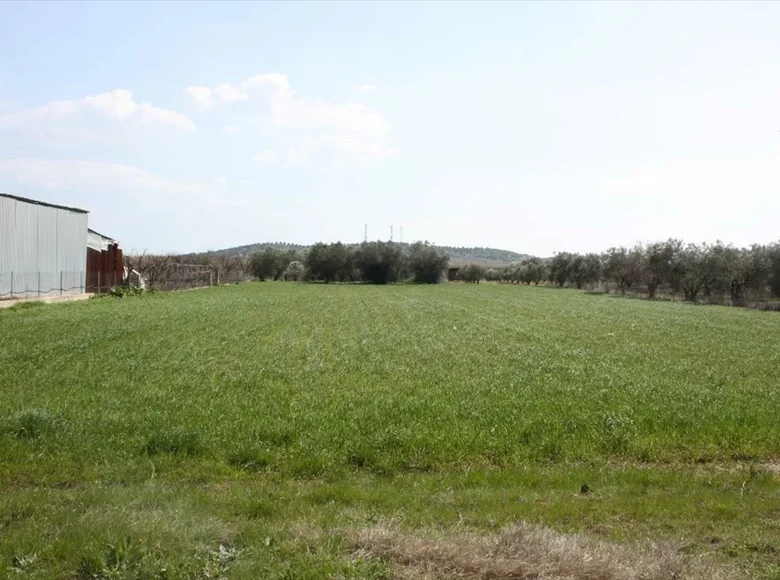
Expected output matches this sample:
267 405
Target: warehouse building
43 248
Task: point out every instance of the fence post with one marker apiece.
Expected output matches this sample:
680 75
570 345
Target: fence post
98 285
39 283
217 276
12 284
211 277
60 282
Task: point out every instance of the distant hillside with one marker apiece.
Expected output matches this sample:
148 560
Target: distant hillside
488 256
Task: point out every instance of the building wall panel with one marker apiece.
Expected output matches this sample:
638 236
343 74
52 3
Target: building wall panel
42 249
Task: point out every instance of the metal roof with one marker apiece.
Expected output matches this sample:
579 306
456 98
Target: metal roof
98 241
36 202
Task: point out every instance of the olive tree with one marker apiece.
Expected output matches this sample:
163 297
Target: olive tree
294 272
379 262
584 270
560 268
427 263
624 267
471 273
329 262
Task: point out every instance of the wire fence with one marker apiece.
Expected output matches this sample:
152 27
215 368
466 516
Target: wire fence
15 285
41 284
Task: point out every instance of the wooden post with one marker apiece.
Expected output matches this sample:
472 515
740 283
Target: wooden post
60 282
211 277
12 284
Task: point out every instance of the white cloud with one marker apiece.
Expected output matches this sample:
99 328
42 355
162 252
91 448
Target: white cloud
265 156
100 179
346 128
118 104
367 88
336 151
93 176
207 98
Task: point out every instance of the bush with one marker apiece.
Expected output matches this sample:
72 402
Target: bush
125 291
427 263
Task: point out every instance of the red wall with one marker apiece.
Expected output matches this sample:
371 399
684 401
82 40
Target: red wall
104 269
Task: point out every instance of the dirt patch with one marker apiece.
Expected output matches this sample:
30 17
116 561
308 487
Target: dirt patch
526 552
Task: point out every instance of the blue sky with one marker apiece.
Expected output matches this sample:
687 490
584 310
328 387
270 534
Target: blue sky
536 127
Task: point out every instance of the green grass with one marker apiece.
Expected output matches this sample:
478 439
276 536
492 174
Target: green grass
142 434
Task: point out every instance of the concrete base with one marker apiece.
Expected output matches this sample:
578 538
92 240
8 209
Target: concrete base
50 300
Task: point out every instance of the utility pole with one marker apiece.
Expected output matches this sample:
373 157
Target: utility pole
391 233
402 235
365 233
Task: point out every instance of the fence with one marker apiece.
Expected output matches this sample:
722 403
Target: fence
41 284
170 277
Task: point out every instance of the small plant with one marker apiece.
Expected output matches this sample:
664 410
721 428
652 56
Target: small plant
126 291
618 431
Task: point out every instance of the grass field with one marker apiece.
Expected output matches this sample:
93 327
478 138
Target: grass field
257 430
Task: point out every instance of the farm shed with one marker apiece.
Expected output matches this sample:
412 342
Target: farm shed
42 248
452 274
105 264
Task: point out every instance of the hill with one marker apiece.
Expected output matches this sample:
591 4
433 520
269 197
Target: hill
487 256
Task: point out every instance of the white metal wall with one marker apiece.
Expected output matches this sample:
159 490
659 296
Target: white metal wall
43 250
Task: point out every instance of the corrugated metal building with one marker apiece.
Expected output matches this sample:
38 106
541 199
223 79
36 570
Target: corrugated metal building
43 250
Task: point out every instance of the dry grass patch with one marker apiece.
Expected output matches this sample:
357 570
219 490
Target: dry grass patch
525 552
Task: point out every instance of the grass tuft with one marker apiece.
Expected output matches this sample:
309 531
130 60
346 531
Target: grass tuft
250 459
174 441
32 424
30 305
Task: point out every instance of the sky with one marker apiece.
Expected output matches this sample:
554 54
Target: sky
534 127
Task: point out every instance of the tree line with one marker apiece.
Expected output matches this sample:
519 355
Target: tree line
370 262
715 273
